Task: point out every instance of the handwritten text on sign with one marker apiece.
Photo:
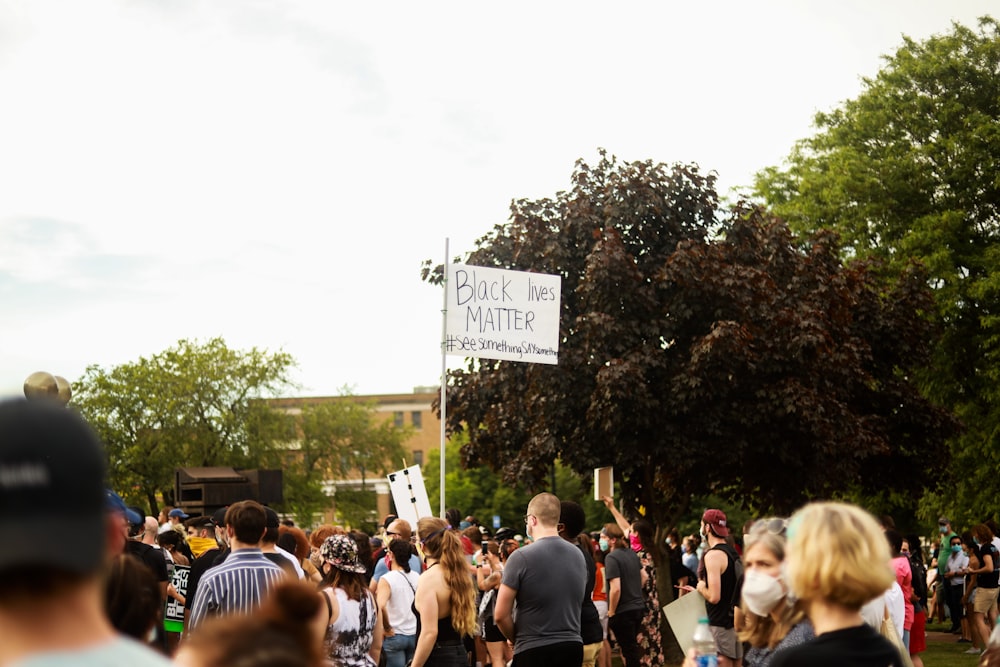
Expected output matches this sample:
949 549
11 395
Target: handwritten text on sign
500 314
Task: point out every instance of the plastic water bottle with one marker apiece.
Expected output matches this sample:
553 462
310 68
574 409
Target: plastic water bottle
703 643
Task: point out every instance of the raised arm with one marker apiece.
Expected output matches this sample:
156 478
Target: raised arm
622 522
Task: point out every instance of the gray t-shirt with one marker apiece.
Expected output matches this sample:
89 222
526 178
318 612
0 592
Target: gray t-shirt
550 577
624 564
120 652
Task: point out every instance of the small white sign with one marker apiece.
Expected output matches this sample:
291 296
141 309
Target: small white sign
409 495
501 314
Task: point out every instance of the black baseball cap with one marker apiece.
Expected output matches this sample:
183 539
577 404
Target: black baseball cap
52 491
219 516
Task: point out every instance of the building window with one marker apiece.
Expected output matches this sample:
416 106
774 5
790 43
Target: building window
397 419
417 418
418 457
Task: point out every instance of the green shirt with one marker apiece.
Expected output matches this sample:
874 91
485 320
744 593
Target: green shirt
944 550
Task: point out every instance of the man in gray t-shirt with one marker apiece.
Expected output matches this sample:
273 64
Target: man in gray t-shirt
538 605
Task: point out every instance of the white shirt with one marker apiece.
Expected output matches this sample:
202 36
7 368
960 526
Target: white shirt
292 559
955 563
897 607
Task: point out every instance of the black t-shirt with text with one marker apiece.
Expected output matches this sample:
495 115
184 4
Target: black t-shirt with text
988 579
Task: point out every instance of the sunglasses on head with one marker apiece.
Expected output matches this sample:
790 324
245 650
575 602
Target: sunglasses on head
775 526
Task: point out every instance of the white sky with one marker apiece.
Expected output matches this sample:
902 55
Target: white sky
275 172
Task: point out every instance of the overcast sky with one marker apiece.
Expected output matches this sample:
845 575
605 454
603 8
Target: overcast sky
275 172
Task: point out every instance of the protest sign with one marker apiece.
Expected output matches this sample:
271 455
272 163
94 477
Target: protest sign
409 495
604 482
501 314
173 615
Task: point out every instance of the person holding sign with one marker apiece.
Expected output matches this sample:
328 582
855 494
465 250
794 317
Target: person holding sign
640 536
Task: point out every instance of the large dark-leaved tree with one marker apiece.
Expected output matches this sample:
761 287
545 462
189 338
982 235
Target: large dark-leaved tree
701 351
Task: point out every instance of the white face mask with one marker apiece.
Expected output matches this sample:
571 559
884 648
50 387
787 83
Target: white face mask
762 592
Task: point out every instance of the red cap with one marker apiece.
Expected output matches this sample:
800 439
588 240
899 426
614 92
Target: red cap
717 520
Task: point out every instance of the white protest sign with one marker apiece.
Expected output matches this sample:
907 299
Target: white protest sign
501 314
409 495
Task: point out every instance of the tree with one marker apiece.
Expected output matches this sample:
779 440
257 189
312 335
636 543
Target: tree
334 439
700 352
482 493
195 404
905 171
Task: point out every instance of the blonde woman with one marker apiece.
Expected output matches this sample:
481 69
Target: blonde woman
445 599
837 560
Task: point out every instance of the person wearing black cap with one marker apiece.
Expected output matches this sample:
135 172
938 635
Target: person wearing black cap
52 501
206 559
274 553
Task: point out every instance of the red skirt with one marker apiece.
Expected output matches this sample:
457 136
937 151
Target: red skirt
918 638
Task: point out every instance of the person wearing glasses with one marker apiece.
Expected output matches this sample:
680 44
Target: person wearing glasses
398 529
837 560
547 579
445 600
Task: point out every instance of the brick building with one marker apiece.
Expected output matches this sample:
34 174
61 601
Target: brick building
410 410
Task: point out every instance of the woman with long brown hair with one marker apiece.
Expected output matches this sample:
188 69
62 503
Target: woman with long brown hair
445 599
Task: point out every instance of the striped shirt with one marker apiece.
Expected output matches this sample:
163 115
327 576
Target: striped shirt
235 586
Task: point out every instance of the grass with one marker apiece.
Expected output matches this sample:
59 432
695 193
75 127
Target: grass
944 651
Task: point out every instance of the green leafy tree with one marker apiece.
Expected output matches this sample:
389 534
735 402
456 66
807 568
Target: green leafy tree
336 439
908 170
195 404
482 492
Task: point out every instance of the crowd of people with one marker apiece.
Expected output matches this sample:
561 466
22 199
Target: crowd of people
88 578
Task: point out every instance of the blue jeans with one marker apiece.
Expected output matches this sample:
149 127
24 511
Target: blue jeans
399 649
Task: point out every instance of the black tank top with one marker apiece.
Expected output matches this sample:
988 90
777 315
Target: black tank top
720 614
446 631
